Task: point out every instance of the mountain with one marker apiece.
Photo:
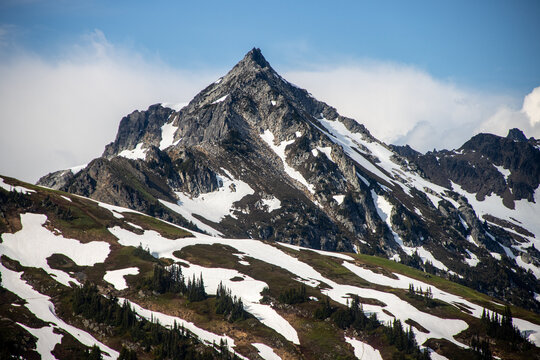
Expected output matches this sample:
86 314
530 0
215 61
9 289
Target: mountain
82 279
254 156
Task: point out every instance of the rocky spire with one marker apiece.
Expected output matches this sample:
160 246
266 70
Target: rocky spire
254 57
516 134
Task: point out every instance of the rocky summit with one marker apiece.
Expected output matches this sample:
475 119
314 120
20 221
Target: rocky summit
254 156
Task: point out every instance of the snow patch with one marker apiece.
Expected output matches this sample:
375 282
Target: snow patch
215 205
321 252
525 213
266 352
19 189
115 210
116 277
339 198
33 244
472 260
268 137
41 306
137 153
167 136
438 327
273 203
363 350
135 226
221 99
249 290
503 171
186 213
384 209
327 150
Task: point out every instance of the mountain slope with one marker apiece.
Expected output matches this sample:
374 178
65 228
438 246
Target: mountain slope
52 241
252 155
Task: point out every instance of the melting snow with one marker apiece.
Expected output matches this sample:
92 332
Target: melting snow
402 282
384 209
33 244
249 290
327 150
472 260
268 137
525 213
363 351
438 327
503 171
321 252
186 213
266 352
215 205
137 153
115 210
221 99
168 321
116 277
272 203
167 136
19 189
135 226
339 198
41 306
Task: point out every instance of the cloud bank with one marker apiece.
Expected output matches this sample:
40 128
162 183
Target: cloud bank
403 105
58 114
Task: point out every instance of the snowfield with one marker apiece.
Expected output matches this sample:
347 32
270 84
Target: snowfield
437 327
22 246
163 247
214 205
33 244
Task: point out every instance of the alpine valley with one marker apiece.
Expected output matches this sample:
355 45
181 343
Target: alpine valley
256 222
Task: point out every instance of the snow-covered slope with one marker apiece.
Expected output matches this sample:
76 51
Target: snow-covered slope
42 231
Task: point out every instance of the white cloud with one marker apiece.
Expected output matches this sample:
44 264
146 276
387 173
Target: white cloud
403 105
54 115
531 106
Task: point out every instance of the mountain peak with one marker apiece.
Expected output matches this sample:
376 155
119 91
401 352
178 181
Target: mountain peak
255 56
516 134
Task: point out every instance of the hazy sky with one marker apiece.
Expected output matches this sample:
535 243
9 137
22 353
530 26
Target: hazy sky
427 73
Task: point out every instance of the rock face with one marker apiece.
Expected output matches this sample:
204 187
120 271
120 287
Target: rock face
252 155
486 164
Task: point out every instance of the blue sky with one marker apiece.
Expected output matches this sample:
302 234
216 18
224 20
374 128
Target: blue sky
426 73
479 43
